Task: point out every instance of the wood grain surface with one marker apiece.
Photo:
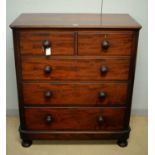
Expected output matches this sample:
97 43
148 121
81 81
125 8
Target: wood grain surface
75 69
31 42
120 43
74 118
75 94
58 20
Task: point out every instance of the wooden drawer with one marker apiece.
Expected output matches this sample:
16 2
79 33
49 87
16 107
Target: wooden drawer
86 94
32 42
74 118
75 69
105 43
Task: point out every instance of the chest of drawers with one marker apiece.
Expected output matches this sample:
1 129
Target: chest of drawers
75 75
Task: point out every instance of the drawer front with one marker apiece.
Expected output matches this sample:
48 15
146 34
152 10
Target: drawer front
74 69
74 118
75 94
108 43
33 42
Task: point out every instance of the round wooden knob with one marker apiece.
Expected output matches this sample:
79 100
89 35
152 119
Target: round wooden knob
103 69
100 119
48 119
46 44
48 94
105 44
47 69
102 95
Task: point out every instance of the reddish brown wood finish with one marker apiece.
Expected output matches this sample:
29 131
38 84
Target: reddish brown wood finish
73 74
74 118
31 42
75 135
59 21
77 94
73 69
120 43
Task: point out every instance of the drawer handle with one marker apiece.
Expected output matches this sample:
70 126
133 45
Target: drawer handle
49 119
48 94
105 44
47 47
102 95
100 119
103 69
46 44
47 69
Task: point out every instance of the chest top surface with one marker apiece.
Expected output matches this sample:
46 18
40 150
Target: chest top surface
52 20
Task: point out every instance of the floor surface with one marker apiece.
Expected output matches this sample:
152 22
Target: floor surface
137 143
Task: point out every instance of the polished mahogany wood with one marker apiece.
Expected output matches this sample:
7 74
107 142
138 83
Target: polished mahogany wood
59 21
122 135
73 69
75 94
62 119
75 75
32 42
105 43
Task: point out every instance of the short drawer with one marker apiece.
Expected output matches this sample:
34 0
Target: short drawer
105 43
85 94
75 69
74 118
36 42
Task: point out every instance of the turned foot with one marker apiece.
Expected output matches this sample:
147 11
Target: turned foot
26 143
122 143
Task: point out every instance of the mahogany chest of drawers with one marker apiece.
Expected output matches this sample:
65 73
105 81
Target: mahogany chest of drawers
75 75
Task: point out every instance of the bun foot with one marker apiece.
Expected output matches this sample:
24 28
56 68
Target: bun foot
26 143
122 143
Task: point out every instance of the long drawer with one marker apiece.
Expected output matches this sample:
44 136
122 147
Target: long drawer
75 69
74 118
77 94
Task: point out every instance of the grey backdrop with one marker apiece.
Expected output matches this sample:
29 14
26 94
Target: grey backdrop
136 8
